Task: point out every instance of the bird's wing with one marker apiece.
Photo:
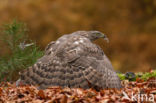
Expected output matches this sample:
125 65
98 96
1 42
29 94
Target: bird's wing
46 72
87 58
96 74
104 58
49 48
52 46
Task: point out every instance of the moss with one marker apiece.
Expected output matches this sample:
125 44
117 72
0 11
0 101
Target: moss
121 76
143 76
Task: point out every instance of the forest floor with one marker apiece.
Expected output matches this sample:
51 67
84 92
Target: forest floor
138 91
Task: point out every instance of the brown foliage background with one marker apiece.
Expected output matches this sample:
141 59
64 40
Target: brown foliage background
130 26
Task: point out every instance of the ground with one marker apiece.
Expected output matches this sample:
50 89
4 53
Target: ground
133 91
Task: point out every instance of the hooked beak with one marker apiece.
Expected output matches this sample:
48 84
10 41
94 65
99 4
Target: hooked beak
105 38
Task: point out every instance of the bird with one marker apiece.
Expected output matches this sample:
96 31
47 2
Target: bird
73 61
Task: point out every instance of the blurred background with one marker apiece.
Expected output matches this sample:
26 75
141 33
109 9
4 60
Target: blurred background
130 26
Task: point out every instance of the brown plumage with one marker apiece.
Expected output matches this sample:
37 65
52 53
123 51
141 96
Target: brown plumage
73 61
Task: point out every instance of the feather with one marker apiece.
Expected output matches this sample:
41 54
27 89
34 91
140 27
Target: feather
73 61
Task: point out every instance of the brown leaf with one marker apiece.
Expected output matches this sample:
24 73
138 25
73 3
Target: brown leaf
64 99
41 94
1 91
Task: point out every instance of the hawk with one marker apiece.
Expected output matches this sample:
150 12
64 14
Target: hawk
73 61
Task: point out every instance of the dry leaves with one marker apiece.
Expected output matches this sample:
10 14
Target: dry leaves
132 92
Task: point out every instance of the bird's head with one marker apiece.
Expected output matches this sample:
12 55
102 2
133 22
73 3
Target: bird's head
93 35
